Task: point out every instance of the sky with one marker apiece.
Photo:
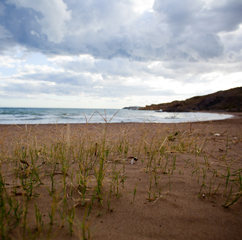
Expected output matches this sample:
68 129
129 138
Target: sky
113 54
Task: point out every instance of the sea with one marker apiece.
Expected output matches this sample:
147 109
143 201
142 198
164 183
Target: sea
74 115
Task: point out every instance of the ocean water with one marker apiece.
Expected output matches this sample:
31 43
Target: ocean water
63 115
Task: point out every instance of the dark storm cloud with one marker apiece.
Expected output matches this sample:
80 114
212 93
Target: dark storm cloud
204 18
225 17
175 30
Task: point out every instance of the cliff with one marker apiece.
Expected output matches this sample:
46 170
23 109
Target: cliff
229 100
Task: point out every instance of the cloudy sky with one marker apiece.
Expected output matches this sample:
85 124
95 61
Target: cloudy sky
112 54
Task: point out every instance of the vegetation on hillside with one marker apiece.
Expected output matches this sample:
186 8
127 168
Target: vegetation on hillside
229 100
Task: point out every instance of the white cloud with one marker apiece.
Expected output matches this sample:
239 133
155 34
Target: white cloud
55 15
34 33
9 62
146 5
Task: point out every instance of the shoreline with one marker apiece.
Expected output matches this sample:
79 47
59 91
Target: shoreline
236 115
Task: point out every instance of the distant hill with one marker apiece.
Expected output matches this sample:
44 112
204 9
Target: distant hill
229 100
132 108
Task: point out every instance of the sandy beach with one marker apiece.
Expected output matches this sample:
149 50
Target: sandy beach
77 182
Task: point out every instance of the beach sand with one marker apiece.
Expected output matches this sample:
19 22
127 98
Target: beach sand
178 189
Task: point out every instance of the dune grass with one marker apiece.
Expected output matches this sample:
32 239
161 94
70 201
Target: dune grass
78 174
